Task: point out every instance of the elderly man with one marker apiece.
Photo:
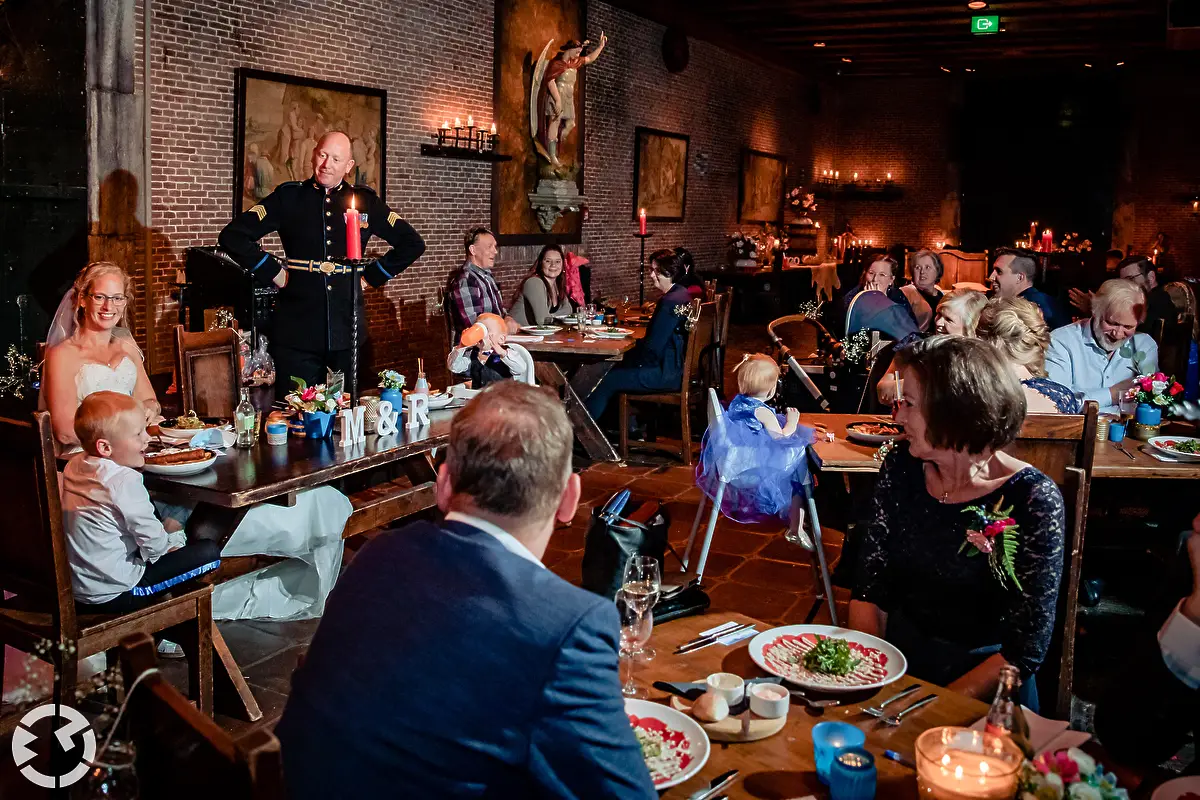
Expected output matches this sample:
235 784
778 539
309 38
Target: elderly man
313 315
472 289
1099 357
1012 276
449 661
1140 270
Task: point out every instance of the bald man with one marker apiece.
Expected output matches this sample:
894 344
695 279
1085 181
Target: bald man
313 324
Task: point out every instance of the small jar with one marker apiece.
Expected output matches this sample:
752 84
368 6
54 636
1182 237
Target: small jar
277 433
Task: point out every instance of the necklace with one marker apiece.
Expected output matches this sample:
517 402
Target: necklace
974 470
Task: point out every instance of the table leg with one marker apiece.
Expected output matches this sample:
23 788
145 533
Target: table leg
231 694
594 442
820 552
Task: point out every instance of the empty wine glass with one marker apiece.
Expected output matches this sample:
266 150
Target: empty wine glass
637 623
641 584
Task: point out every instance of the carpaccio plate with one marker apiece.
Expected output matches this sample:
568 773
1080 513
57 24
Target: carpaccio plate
682 745
774 650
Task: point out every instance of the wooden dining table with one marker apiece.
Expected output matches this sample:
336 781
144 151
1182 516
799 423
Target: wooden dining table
781 766
1134 459
574 363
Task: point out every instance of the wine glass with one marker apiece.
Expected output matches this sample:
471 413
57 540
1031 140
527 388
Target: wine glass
637 622
642 583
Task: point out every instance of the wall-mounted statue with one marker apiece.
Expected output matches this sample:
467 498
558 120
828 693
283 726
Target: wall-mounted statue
552 95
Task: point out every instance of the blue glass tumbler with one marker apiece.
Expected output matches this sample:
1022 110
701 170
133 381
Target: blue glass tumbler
830 737
852 775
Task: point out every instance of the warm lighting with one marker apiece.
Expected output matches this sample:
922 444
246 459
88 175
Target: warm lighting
457 122
1089 66
836 174
1196 206
977 5
776 242
1120 63
856 176
889 176
848 60
493 129
943 69
818 223
818 44
470 121
970 70
446 125
941 245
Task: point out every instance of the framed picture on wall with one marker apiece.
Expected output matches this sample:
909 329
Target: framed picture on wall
660 161
760 188
280 118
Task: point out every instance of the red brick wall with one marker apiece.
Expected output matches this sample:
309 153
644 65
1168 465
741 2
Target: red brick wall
435 60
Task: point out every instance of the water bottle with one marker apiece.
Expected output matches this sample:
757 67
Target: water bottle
244 421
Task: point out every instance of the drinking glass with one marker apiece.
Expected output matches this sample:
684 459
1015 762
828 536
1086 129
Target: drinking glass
641 584
590 311
113 777
637 623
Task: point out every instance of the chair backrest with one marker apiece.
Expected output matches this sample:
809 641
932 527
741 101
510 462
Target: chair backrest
714 406
699 343
176 741
210 371
716 378
963 267
33 548
1053 442
1175 345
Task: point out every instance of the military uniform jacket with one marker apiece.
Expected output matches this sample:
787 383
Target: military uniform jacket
313 311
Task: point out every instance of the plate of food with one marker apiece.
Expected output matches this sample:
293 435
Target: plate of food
674 745
188 425
1185 788
179 461
440 400
1183 448
611 332
567 319
873 431
827 658
542 330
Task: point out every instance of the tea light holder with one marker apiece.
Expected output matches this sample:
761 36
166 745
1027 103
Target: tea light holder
962 764
852 775
830 737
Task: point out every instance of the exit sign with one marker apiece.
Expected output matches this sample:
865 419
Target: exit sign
986 24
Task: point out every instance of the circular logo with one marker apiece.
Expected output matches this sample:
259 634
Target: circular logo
75 723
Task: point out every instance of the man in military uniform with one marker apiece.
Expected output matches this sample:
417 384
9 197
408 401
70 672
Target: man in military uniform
313 313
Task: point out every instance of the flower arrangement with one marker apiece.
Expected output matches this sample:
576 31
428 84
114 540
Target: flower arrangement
688 314
1156 390
856 347
22 374
390 379
317 397
742 246
997 538
1073 243
1071 774
802 203
811 309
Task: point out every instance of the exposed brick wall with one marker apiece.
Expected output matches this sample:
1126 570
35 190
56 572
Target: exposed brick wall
435 60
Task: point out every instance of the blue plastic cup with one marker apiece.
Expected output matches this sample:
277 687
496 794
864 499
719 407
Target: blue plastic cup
1116 431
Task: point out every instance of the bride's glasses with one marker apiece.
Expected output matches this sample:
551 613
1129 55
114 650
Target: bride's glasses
101 299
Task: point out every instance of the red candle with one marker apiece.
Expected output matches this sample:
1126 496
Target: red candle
353 233
1047 241
642 222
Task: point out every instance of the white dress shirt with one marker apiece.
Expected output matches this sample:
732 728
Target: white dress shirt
1075 360
516 358
1180 643
111 529
509 541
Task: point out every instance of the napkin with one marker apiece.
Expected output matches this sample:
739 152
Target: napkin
1046 734
214 439
516 337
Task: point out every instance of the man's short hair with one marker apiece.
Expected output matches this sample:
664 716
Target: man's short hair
510 450
472 236
1120 294
1023 261
107 415
1144 264
969 397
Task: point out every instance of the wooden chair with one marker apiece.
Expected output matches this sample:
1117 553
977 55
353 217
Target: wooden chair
1174 345
182 752
963 268
724 301
699 339
1063 447
210 371
33 566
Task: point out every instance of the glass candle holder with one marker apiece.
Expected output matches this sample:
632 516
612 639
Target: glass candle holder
962 764
830 737
852 775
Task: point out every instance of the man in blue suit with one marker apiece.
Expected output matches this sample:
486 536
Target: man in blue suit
1012 276
450 662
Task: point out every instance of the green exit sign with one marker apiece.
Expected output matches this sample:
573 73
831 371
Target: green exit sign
986 24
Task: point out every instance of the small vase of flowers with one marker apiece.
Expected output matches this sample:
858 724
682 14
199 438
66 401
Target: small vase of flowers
317 404
1068 775
391 382
1152 393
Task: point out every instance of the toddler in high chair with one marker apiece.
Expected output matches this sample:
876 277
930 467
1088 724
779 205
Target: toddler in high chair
761 456
121 556
485 354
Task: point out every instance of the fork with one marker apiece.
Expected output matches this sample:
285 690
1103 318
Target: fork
877 711
894 719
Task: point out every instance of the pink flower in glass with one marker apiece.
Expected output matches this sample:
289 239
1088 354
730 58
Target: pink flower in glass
982 543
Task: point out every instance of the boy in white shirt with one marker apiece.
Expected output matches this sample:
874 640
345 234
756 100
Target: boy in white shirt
121 557
485 355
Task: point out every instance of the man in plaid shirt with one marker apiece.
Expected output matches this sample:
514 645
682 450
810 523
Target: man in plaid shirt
472 289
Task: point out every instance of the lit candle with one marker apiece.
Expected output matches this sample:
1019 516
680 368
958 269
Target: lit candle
353 232
818 223
1033 233
470 121
446 125
493 129
856 176
1047 241
457 122
889 176
642 222
836 174
960 764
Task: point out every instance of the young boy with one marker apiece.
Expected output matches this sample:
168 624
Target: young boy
486 356
121 557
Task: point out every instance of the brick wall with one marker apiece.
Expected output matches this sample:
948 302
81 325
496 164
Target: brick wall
435 60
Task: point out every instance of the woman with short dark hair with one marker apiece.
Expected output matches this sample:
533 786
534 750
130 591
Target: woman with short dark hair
964 546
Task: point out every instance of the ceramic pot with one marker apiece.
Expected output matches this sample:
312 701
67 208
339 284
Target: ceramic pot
393 396
318 424
1147 414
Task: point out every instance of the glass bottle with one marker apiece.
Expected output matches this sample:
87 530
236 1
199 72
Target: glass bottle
1005 717
244 421
422 385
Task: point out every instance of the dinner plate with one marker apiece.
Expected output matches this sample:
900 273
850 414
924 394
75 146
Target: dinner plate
605 333
542 330
1178 789
892 660
1158 443
185 434
179 470
666 720
871 438
440 400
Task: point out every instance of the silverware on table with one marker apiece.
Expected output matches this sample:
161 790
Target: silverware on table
711 639
1121 447
810 702
899 759
877 711
717 784
894 719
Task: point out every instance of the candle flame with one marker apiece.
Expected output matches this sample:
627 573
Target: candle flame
946 760
642 213
958 773
983 767
493 129
889 176
457 122
446 125
856 176
351 202
470 121
818 224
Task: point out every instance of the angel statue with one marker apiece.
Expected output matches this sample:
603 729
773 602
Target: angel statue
552 100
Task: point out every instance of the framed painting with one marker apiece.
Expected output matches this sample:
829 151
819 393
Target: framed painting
660 162
760 188
529 36
280 118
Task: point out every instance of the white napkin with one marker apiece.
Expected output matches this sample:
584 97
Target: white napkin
737 636
214 439
517 337
1046 734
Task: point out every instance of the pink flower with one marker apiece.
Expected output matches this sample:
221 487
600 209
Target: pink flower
1042 763
309 394
982 543
994 529
1158 376
1066 767
1146 384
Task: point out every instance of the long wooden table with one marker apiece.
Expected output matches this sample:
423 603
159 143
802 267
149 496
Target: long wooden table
782 766
842 455
1112 463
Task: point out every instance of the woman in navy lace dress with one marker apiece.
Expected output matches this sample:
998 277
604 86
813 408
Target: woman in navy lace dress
932 577
1017 329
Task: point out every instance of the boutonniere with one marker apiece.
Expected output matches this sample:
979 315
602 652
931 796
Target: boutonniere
997 538
688 314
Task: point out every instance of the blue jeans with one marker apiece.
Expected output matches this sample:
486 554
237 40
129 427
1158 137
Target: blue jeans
629 379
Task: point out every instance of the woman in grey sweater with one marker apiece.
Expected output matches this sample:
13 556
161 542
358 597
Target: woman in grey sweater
543 293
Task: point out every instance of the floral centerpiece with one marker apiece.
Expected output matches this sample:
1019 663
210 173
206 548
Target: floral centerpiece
1073 243
390 379
317 403
743 248
1069 774
802 204
1152 393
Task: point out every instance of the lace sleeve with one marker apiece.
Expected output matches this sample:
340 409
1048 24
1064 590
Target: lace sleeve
872 581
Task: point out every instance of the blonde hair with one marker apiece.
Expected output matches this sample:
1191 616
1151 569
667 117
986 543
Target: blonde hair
757 374
94 272
107 415
1121 294
967 303
1016 327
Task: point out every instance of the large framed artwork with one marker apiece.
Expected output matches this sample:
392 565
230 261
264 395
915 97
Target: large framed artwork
760 188
532 39
281 117
660 161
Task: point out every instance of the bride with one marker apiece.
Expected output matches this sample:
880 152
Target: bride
90 349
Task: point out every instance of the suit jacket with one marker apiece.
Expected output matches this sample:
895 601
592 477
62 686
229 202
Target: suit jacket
447 666
661 350
1052 311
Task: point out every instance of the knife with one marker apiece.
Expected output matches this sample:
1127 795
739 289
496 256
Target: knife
718 783
711 639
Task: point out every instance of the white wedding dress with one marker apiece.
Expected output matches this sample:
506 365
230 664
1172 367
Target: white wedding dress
308 534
